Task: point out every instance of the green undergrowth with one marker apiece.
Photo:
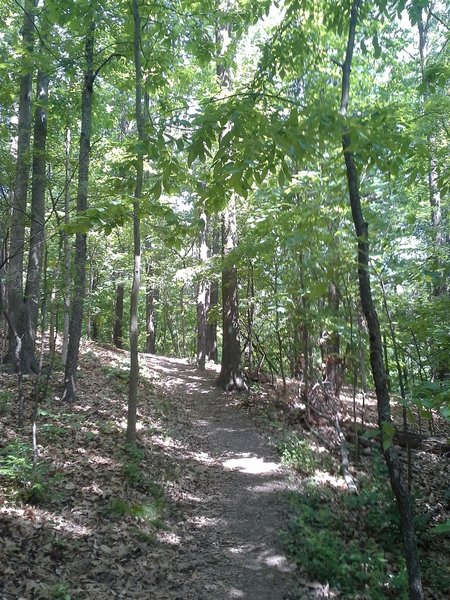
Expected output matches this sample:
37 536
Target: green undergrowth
298 453
153 508
23 481
351 542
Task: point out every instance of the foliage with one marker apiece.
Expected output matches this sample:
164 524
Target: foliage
29 482
351 542
298 453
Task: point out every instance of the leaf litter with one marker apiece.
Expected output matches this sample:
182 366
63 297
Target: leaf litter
167 520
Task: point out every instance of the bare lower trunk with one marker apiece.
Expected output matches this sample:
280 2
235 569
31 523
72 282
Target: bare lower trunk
376 349
334 375
202 301
231 376
134 306
211 331
118 315
176 345
150 311
79 291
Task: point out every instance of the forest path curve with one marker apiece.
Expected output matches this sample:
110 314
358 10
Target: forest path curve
231 492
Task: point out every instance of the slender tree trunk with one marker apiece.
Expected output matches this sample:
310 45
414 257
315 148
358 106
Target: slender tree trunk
250 316
376 350
202 300
79 290
92 328
306 363
150 311
36 252
333 368
19 209
440 284
277 327
362 366
134 305
211 332
400 378
118 315
179 351
66 250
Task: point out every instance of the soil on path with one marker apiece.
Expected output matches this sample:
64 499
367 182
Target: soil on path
230 493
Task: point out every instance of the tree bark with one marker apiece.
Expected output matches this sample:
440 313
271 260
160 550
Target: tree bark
231 376
211 331
376 349
150 311
66 250
334 367
36 252
118 315
79 291
134 305
19 209
202 300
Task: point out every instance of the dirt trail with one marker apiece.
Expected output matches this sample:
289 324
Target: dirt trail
231 494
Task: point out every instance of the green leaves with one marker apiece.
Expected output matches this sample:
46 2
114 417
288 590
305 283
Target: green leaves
387 434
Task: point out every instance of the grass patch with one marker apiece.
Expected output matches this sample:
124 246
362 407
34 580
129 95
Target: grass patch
149 512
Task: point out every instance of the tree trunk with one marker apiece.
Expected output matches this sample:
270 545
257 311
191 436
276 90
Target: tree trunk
118 315
277 326
150 346
36 252
176 344
333 368
79 290
66 250
250 317
440 284
202 300
92 328
211 331
134 304
231 376
19 208
376 349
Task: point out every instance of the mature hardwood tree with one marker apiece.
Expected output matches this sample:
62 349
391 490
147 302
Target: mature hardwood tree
79 290
134 331
19 208
66 247
37 241
376 348
231 376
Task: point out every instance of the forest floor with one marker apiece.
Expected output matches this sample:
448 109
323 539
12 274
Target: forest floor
203 508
